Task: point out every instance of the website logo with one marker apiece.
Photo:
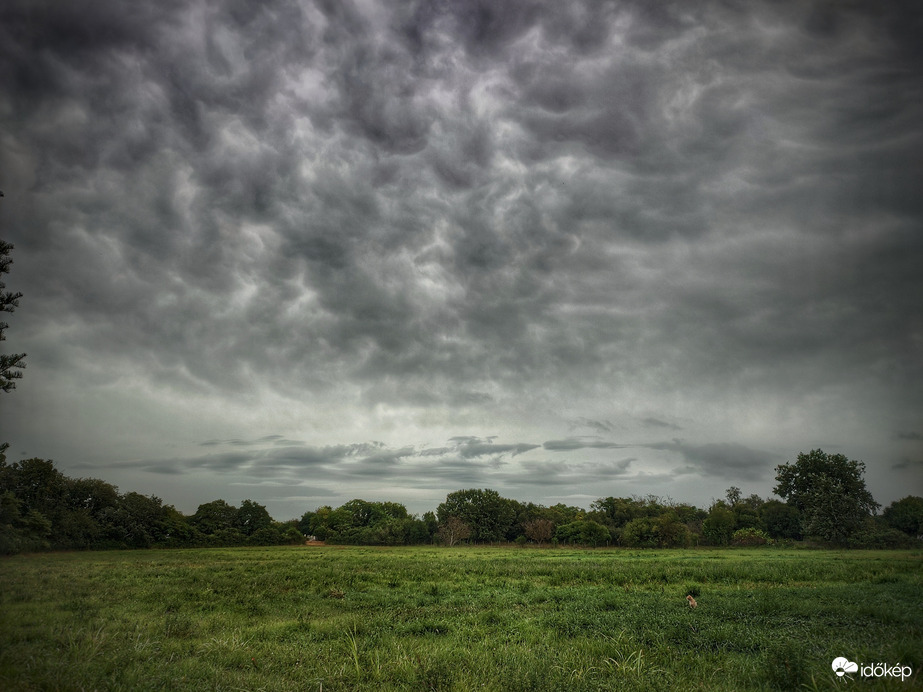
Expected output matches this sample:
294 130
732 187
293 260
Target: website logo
841 666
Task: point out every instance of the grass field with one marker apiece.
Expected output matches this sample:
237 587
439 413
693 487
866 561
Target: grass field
329 618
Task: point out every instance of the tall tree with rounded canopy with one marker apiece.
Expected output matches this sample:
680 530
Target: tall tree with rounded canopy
487 514
830 492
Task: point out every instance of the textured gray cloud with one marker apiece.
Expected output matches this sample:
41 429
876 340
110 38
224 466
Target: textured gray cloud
726 461
533 219
573 443
468 447
908 464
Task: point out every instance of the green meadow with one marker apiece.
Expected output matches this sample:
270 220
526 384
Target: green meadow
419 618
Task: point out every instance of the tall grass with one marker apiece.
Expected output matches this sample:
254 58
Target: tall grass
455 619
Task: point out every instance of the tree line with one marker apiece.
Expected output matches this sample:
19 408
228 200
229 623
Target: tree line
823 498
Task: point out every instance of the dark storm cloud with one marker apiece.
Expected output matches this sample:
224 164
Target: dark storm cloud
457 206
335 178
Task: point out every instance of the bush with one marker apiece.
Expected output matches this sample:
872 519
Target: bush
781 520
655 532
267 535
639 533
874 533
750 537
906 515
718 528
582 532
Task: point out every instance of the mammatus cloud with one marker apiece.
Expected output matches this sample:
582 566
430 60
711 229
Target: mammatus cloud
582 223
390 195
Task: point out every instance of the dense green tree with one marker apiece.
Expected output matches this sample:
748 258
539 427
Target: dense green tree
753 502
304 524
316 523
663 531
583 532
906 515
21 531
563 514
361 513
687 513
215 516
746 510
431 524
418 531
271 534
830 492
877 534
719 526
670 532
831 514
781 520
360 522
639 533
797 482
137 521
395 510
177 529
621 510
90 494
251 517
226 537
38 485
488 515
747 518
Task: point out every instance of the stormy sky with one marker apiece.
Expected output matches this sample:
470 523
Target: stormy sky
301 252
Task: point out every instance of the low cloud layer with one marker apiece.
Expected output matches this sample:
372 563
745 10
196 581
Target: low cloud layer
434 224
